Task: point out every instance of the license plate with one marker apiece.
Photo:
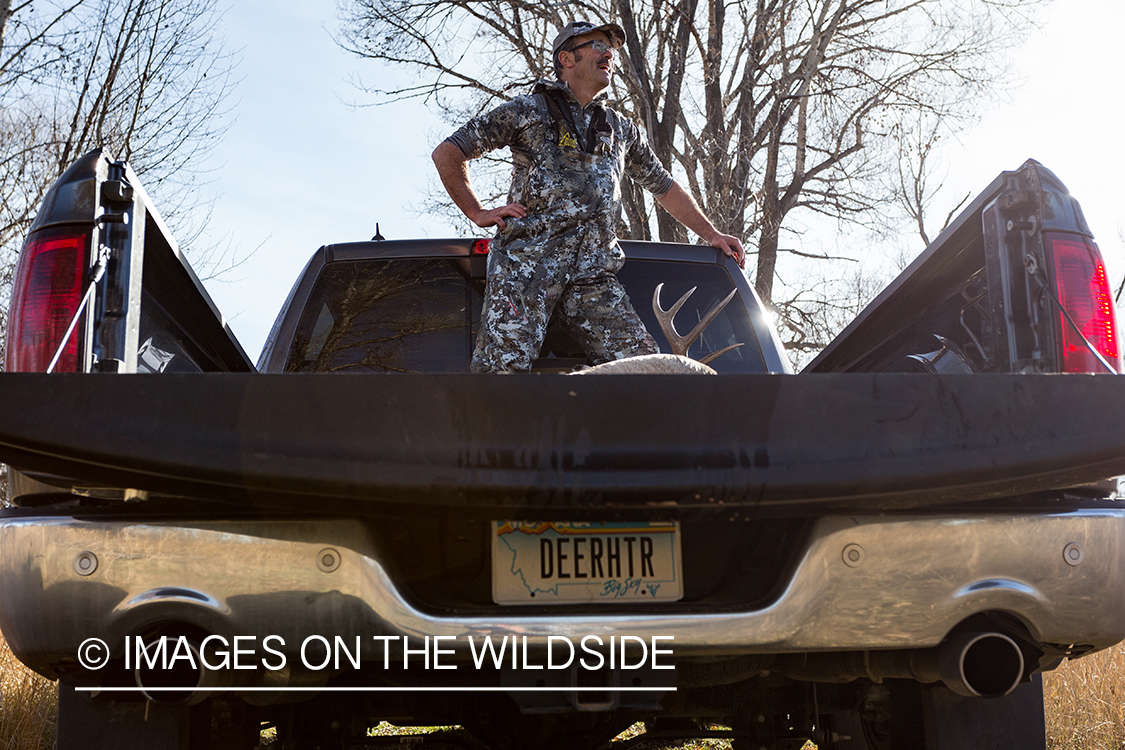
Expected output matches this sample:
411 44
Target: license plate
567 563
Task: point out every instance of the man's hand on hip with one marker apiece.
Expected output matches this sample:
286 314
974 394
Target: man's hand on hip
495 217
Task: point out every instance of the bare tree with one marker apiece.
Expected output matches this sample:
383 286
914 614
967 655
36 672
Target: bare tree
761 108
912 184
38 33
827 299
145 79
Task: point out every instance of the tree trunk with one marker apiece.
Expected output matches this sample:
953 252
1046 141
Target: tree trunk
767 259
670 229
635 216
5 14
771 214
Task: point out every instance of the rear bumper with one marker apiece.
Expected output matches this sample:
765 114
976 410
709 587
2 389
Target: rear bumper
862 583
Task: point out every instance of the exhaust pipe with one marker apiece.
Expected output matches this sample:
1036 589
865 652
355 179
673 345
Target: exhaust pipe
185 682
985 665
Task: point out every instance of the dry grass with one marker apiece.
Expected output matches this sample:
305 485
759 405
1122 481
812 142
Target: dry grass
701 744
639 729
1085 705
27 706
386 729
1085 702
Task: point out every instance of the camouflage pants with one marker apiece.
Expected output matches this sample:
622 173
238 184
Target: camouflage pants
524 290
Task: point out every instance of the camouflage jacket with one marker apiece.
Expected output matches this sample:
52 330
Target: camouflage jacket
572 195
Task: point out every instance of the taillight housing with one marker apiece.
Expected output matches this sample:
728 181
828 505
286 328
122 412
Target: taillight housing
1083 290
481 247
48 288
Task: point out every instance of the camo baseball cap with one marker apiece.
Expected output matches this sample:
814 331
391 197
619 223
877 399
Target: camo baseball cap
578 28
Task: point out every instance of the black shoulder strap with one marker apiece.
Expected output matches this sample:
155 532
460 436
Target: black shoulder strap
560 113
598 124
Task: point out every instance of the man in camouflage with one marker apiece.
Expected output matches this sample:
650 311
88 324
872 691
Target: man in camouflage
556 248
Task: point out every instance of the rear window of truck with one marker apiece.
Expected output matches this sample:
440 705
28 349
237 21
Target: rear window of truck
422 315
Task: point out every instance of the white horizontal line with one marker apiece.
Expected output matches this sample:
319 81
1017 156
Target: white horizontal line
410 689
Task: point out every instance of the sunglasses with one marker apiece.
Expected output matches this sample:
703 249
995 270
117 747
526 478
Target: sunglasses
599 47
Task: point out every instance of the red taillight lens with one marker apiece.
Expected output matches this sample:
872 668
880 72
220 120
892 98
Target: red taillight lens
480 247
46 293
1083 290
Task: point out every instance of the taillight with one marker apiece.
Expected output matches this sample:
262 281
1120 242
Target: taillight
47 291
480 247
1083 289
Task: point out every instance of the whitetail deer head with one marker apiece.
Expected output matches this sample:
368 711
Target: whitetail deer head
677 362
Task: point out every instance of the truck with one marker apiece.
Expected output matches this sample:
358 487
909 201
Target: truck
886 550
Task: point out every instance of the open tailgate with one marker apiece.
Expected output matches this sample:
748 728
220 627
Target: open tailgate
782 444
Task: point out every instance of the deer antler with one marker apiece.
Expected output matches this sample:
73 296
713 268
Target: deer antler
680 344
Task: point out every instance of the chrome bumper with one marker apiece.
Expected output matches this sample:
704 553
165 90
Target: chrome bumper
862 583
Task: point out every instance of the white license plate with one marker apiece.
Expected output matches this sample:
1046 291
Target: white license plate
566 563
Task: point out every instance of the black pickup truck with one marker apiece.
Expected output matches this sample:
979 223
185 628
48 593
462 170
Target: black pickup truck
884 551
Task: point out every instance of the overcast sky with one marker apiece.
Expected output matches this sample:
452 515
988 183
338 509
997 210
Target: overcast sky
302 167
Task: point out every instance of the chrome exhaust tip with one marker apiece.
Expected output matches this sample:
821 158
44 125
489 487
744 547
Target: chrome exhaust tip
985 665
185 682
